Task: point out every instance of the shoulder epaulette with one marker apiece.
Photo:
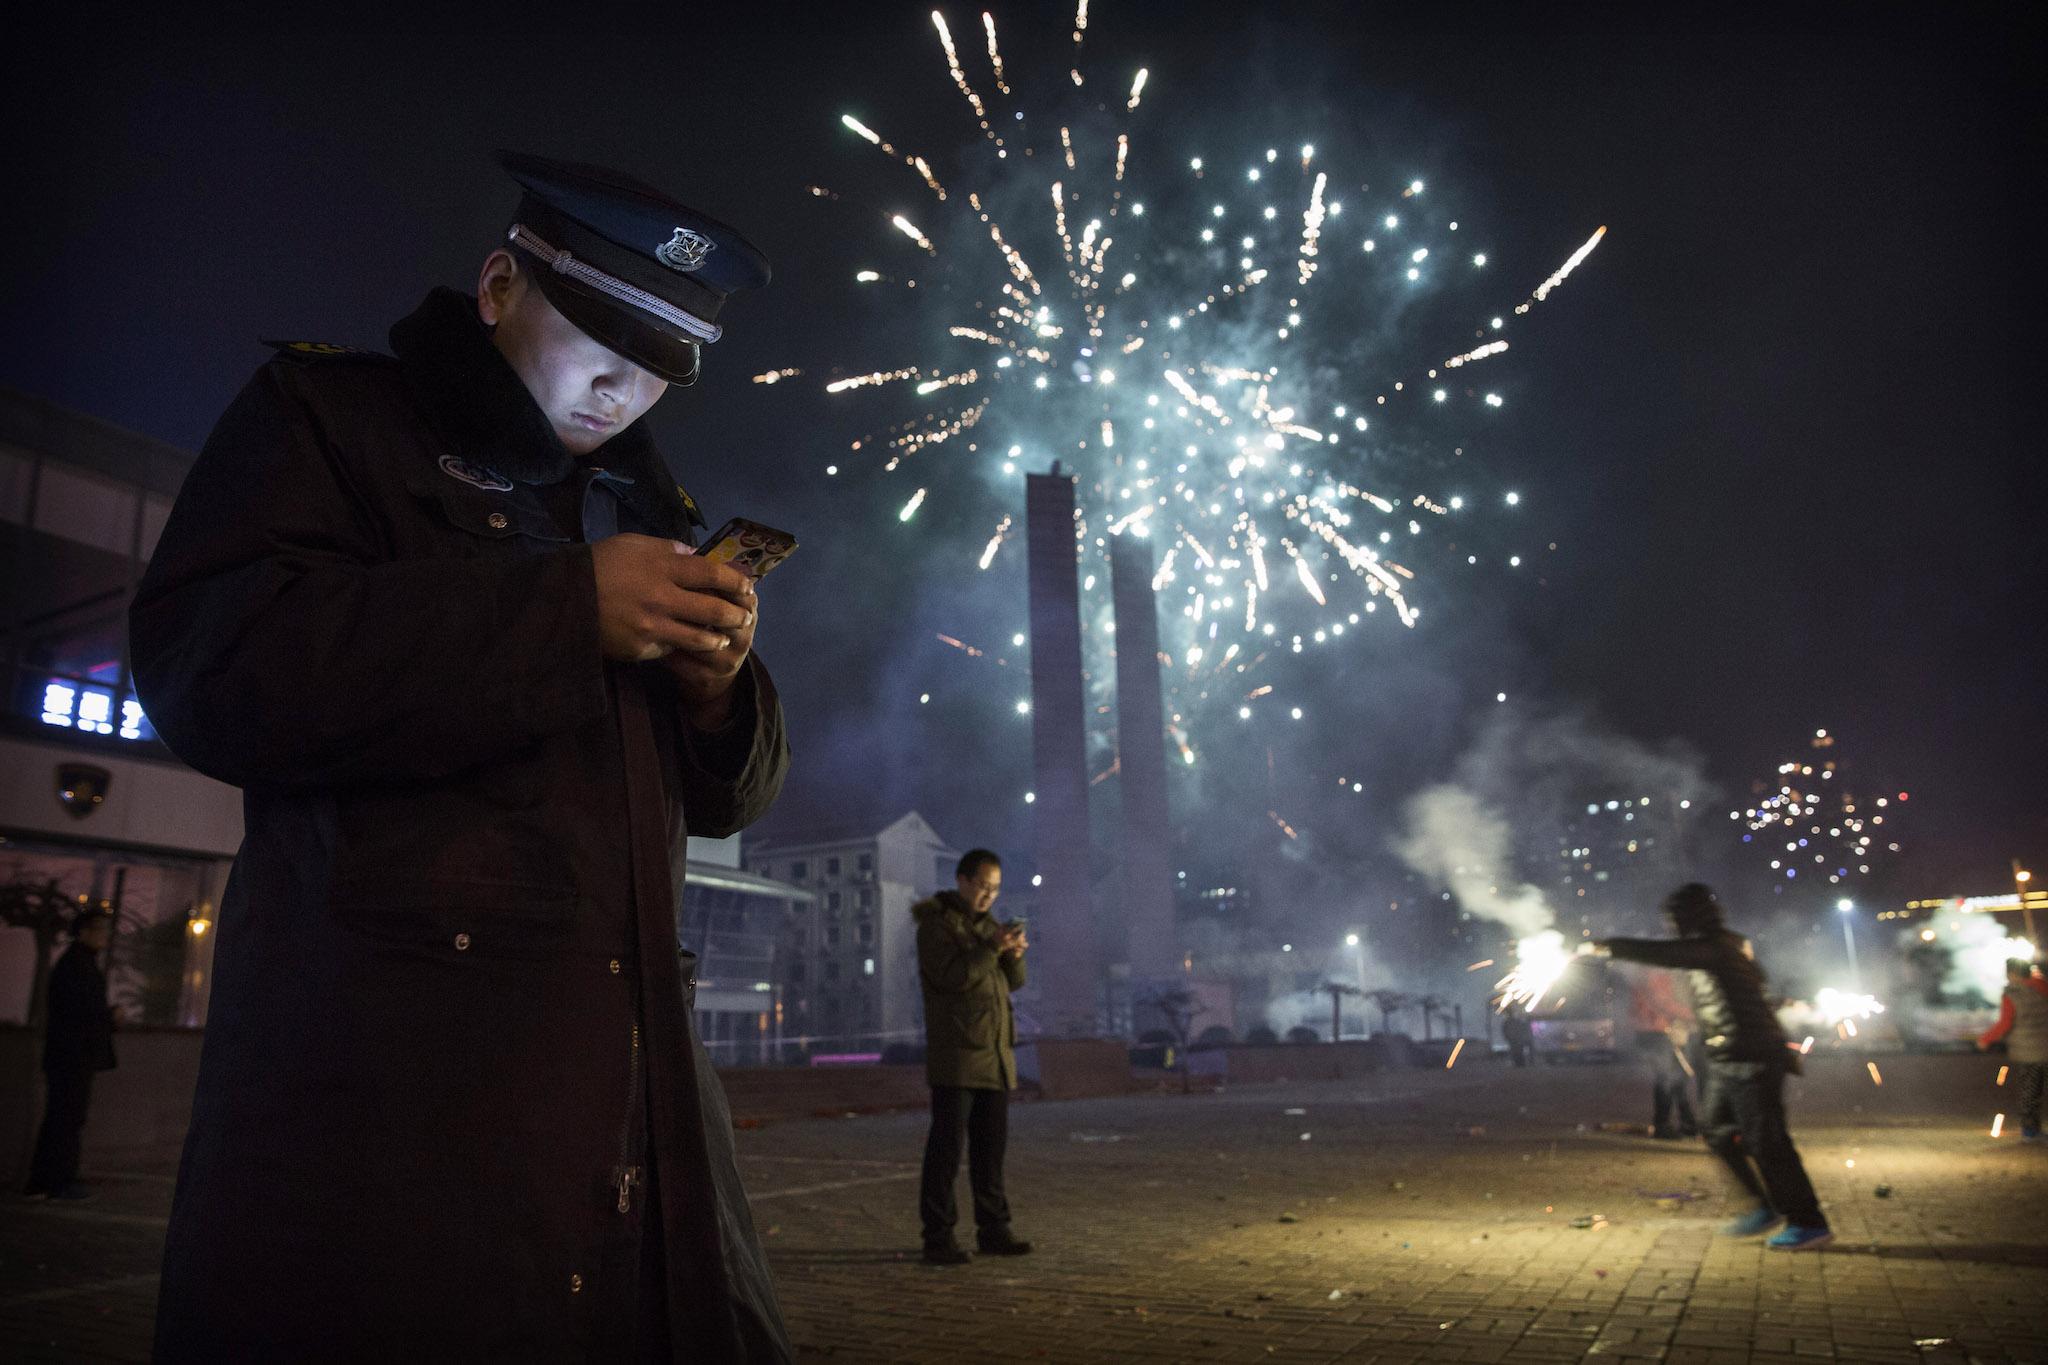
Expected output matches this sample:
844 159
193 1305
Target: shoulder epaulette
690 506
322 350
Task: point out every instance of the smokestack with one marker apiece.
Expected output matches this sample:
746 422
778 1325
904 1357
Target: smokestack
1065 966
1147 899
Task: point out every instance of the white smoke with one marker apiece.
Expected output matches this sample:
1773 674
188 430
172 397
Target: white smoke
1459 843
1515 790
1978 948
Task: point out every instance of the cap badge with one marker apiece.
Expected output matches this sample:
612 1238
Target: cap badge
475 475
685 251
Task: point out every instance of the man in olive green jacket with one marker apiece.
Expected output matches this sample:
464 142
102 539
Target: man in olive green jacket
968 963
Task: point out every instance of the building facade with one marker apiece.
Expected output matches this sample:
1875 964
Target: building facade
847 960
91 804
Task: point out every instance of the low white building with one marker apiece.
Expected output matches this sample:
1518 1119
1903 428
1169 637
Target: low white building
848 966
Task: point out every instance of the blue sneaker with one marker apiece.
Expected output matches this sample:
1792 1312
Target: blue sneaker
1792 1237
1755 1223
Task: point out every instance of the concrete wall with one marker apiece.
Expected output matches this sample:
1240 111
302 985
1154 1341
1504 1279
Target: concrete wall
150 804
1078 1068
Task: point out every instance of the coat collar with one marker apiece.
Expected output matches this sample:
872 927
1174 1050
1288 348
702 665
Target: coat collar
480 409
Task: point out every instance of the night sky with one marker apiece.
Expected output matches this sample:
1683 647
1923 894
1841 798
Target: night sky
1781 426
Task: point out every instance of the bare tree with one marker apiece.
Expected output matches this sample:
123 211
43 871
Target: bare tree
1337 990
1178 1007
43 911
1388 1002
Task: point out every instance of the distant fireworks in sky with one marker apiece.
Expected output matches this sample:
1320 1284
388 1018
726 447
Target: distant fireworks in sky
1814 824
1196 362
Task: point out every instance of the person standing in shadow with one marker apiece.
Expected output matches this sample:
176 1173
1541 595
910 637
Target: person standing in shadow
78 1044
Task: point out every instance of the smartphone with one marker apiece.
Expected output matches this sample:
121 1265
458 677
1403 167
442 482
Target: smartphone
748 546
1022 922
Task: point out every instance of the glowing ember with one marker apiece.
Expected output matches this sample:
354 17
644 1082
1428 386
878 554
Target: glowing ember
1844 1007
1540 960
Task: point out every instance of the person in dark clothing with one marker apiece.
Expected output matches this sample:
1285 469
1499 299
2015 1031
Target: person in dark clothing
1748 1059
1662 1026
440 616
78 1042
1518 1033
968 964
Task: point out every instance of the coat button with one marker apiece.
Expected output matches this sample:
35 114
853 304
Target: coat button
499 521
575 1284
461 943
615 966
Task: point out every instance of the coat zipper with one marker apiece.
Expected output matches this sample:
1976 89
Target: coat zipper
626 1175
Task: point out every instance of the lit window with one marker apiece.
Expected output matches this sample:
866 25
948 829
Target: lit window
57 703
95 712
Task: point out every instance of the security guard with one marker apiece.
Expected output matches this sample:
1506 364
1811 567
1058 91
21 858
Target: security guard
438 615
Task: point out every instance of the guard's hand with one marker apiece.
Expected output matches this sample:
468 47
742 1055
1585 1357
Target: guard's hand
656 598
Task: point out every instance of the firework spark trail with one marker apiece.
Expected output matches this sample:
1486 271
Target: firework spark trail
1558 276
995 542
916 163
914 233
1476 353
960 76
1312 229
995 57
877 377
1223 441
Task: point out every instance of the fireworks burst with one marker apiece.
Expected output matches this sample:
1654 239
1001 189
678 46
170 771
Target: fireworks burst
1541 960
1193 366
1844 1007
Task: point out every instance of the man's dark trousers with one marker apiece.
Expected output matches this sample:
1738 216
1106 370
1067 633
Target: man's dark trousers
57 1145
982 1119
1669 1085
1744 1124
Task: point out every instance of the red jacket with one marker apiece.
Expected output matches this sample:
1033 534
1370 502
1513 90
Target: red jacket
2005 1012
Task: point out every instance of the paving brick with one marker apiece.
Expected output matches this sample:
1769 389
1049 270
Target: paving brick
1167 1246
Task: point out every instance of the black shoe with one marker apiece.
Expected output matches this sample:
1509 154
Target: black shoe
945 1253
1005 1245
73 1193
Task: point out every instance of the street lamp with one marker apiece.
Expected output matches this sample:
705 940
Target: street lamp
1353 942
2020 878
1847 909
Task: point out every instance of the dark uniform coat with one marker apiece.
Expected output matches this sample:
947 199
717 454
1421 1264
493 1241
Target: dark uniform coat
450 1051
970 1028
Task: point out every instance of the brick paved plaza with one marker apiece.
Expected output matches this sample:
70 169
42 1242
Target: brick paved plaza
1418 1215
